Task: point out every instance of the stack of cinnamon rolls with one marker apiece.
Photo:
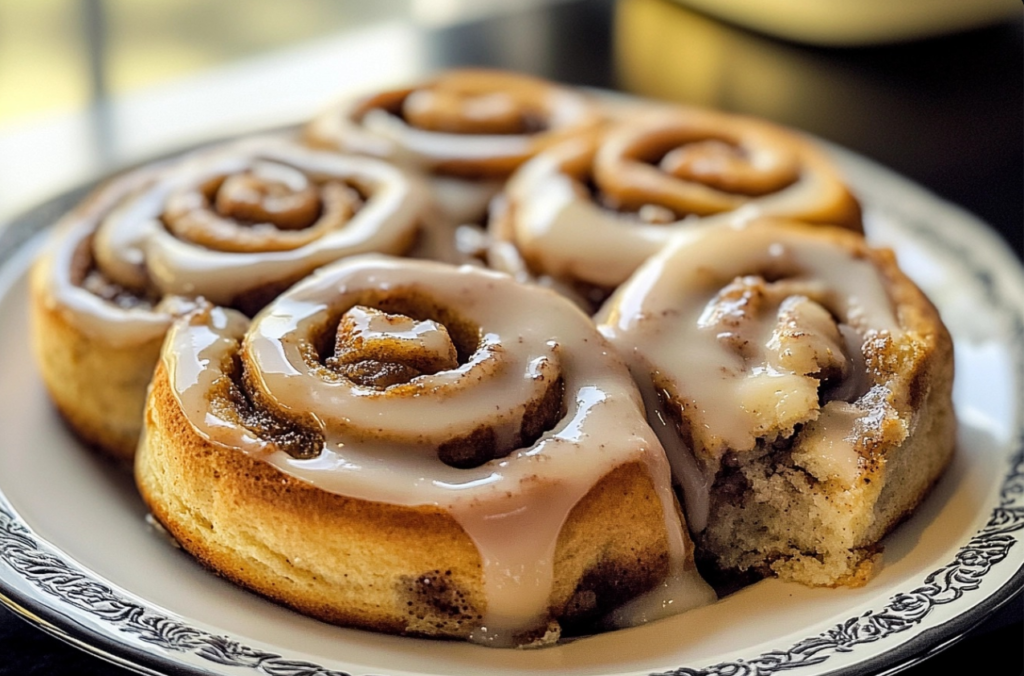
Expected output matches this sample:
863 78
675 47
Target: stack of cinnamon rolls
494 359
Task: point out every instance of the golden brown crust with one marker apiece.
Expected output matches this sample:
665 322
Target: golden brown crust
284 538
375 565
99 389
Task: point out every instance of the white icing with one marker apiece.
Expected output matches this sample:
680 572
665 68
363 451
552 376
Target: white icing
532 490
55 277
563 232
385 223
465 167
562 109
741 355
132 247
827 447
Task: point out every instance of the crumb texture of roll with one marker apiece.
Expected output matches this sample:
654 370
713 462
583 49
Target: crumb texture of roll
801 385
466 129
590 211
421 449
235 224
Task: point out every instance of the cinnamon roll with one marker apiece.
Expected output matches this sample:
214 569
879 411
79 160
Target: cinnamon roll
588 212
235 224
390 445
466 129
801 384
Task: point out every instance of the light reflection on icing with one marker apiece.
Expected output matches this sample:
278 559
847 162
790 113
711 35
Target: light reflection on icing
530 491
743 363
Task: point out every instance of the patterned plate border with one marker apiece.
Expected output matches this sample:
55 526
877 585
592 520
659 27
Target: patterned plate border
50 572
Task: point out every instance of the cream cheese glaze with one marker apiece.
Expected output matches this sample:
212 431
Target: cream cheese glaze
381 445
736 333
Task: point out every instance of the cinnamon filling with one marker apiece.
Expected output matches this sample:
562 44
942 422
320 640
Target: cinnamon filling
435 601
234 400
86 274
98 284
377 349
723 166
454 111
454 106
269 207
384 350
385 345
664 175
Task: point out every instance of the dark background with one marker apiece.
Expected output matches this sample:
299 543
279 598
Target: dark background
948 112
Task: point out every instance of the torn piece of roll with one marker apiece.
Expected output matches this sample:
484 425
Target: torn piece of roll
234 224
801 384
465 129
417 448
587 213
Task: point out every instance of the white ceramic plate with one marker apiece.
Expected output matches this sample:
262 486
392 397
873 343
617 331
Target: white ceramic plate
78 559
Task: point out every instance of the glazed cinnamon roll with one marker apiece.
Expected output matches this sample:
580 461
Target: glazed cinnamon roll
391 445
466 129
801 385
235 225
589 212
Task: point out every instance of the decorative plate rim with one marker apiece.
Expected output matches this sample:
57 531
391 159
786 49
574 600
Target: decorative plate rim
60 587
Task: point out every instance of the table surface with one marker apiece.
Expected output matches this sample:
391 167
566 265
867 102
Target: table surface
945 112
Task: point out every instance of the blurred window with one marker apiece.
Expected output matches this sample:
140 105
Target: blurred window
56 54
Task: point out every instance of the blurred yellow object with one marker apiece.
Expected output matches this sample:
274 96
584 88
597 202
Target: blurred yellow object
668 52
47 46
40 58
857 22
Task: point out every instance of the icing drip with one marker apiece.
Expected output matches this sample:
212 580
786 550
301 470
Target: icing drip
381 444
762 339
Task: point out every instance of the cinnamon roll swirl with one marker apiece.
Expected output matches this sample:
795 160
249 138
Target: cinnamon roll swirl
466 129
235 225
389 445
590 211
801 384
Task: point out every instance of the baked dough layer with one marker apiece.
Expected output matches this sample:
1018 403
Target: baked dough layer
809 402
235 224
389 445
396 569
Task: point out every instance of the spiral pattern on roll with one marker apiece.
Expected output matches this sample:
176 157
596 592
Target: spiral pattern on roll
475 124
591 210
415 383
235 224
